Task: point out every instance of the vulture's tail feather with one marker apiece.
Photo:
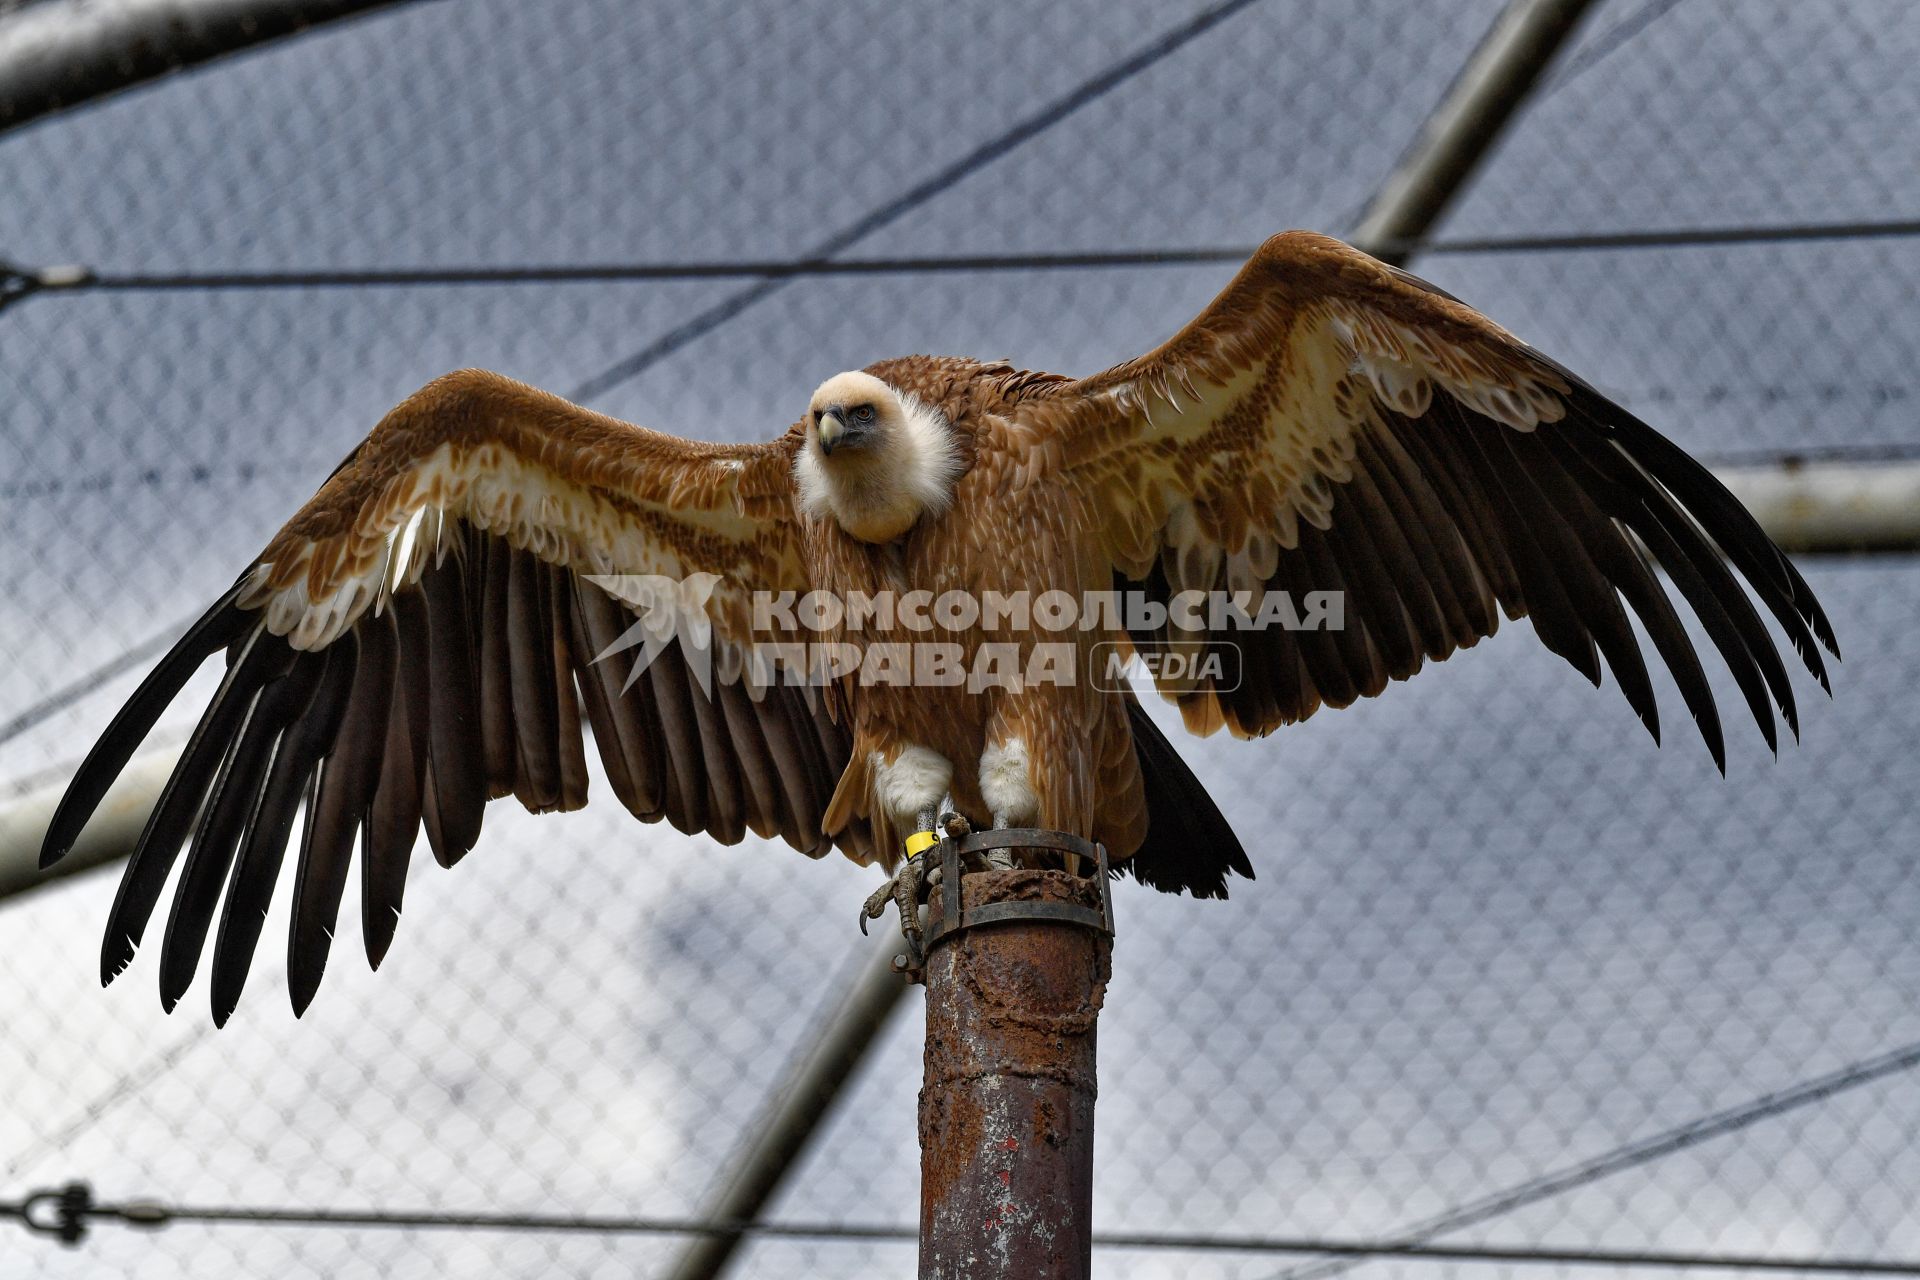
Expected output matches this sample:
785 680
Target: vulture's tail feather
1189 846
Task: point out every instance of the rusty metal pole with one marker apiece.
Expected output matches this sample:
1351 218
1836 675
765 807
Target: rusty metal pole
1006 1109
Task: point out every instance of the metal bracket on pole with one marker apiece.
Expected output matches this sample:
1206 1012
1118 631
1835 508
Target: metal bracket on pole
953 917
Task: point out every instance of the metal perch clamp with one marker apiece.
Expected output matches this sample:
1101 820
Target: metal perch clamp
953 917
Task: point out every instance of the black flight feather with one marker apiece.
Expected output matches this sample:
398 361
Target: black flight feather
341 802
258 658
217 628
393 822
263 847
456 759
223 823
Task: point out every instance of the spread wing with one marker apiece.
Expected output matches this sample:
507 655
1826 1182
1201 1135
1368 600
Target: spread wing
421 637
1330 423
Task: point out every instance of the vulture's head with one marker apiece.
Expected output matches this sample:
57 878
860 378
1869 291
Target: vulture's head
875 458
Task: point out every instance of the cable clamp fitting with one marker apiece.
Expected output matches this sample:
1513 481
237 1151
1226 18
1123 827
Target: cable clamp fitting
20 282
62 1213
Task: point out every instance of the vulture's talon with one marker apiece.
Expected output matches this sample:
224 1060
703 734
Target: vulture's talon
875 905
906 891
909 891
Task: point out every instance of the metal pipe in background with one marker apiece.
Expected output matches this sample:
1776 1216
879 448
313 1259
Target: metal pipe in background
798 1108
61 53
110 836
1490 89
1834 507
1006 1107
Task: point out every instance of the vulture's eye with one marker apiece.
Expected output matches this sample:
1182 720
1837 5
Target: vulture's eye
863 414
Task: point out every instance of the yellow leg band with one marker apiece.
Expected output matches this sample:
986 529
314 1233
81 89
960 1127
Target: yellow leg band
920 842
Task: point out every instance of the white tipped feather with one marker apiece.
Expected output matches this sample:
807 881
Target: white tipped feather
404 564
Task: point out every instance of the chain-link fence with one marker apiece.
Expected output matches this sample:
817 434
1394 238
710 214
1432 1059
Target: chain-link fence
1509 975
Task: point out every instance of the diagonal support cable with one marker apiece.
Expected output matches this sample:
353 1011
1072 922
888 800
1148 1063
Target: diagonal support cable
1657 1146
79 689
1088 91
1604 45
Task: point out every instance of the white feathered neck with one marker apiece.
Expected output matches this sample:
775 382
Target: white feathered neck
876 491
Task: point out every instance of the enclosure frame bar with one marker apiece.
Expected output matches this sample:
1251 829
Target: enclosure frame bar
63 53
1496 81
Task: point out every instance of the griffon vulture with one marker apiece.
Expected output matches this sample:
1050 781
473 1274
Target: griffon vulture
422 636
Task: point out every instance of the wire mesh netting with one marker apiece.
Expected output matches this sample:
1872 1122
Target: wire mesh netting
1509 974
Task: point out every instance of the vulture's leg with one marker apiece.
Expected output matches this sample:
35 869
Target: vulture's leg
911 785
1006 784
909 887
1000 859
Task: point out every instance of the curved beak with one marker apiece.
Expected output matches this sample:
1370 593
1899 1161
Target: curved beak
831 427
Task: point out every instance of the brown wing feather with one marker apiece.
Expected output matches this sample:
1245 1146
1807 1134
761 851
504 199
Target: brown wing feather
424 634
1330 423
